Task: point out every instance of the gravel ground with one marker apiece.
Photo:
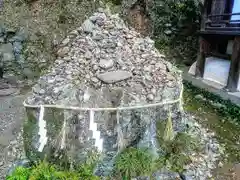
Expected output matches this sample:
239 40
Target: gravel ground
11 118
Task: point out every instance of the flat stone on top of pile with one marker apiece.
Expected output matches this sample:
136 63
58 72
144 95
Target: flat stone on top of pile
114 76
104 52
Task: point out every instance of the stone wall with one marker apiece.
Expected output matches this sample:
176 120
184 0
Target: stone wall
11 51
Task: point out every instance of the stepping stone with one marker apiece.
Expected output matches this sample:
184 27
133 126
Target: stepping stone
114 76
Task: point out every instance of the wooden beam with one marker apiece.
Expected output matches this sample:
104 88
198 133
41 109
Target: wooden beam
235 66
1 72
204 14
204 49
225 14
1 65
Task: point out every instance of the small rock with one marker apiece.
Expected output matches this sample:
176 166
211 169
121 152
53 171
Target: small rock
88 55
106 64
220 164
42 91
148 77
87 76
95 67
73 33
65 41
98 19
28 73
144 56
114 76
63 51
10 31
93 18
88 26
160 66
147 68
94 80
129 36
150 97
101 10
7 51
97 37
153 90
2 39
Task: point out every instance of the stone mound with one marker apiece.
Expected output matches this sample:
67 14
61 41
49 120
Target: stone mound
102 64
104 52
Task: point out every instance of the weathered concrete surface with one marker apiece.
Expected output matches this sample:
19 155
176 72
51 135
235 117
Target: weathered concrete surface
212 87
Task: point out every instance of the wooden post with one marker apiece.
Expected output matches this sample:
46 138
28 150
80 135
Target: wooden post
204 50
235 66
1 65
204 14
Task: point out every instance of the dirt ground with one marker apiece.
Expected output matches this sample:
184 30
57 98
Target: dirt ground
11 119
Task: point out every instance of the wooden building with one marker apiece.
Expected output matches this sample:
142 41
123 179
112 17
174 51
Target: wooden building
220 37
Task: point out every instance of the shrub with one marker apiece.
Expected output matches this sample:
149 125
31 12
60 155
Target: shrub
46 171
135 162
20 173
175 24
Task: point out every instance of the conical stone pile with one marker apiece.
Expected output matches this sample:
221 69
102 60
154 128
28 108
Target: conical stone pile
102 64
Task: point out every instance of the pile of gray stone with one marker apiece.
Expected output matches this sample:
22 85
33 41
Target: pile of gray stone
102 64
205 161
104 52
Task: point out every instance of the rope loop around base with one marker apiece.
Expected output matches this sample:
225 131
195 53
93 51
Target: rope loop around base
179 100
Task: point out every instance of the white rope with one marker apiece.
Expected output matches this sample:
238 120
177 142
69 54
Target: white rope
107 109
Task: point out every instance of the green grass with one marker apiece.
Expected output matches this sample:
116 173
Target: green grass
223 121
135 162
20 173
47 171
229 109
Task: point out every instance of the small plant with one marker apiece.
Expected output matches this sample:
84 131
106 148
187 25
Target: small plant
135 162
168 132
175 148
20 173
43 171
86 170
46 171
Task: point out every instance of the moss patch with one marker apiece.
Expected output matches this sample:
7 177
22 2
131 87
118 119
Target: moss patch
223 121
